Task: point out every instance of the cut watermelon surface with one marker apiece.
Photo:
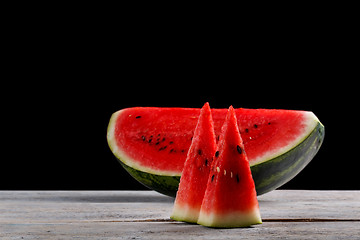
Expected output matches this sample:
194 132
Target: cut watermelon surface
230 198
152 143
196 170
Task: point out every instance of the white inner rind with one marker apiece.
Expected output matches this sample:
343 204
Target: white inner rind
233 219
185 213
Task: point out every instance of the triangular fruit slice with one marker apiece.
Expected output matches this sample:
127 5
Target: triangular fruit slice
196 169
230 197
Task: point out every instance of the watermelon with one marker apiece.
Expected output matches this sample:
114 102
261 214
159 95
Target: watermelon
151 143
196 169
230 198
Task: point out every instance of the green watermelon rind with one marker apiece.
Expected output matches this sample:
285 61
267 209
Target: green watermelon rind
167 185
272 174
268 175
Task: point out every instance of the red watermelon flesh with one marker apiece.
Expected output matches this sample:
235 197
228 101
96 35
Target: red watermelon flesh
196 170
230 198
156 140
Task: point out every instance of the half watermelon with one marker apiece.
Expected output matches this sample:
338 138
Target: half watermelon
151 143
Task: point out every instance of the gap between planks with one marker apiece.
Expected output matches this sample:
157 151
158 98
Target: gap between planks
264 220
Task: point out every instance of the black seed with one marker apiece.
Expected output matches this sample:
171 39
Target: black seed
183 150
206 162
138 117
157 143
217 153
163 139
163 148
171 142
171 150
239 149
150 140
212 178
143 138
158 135
246 130
269 123
199 152
255 126
237 178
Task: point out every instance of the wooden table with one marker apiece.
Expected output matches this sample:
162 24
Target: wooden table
145 215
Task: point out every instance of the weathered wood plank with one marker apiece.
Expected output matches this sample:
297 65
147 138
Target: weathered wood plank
145 215
76 206
310 204
177 230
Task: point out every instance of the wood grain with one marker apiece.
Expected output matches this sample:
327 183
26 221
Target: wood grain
145 215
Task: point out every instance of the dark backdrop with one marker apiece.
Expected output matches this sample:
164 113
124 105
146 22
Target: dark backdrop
58 139
63 88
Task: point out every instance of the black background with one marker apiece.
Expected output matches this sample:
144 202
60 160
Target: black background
64 85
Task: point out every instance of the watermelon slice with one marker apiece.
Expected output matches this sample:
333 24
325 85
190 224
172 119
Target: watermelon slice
151 143
230 197
196 169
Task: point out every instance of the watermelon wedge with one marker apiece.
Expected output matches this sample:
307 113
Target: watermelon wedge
196 169
230 197
151 143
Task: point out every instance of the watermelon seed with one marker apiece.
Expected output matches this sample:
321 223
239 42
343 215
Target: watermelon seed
171 150
231 174
183 150
217 154
163 148
237 178
199 152
212 178
138 117
218 169
143 138
206 162
246 130
239 149
171 142
157 143
269 123
224 172
255 126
